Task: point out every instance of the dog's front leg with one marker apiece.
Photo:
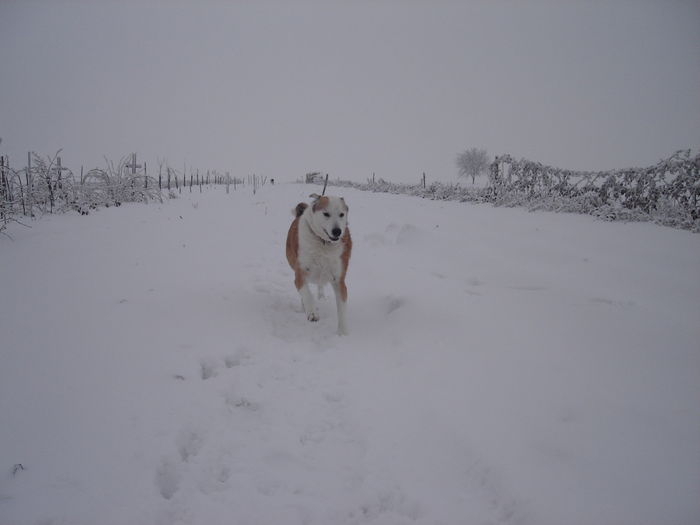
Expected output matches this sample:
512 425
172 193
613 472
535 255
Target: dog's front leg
341 296
307 301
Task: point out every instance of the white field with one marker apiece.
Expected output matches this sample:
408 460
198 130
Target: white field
502 367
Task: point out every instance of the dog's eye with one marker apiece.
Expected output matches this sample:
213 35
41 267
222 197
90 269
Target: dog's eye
326 214
342 215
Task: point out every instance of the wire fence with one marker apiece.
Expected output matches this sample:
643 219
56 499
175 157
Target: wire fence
44 185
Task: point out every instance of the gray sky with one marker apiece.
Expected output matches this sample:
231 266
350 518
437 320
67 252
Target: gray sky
350 88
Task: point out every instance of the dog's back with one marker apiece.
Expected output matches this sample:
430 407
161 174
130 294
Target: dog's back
293 235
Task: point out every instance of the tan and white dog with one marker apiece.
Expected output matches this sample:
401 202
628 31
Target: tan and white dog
318 250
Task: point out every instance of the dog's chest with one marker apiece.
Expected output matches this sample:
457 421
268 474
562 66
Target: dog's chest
321 261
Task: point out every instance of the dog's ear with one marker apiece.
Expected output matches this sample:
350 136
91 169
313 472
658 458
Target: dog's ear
320 202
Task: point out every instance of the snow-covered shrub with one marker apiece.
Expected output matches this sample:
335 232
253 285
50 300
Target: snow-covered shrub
50 186
44 186
666 193
115 185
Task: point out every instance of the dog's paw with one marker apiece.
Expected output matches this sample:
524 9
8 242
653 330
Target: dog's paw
312 316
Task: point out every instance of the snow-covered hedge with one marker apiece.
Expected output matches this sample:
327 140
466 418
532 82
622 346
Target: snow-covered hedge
666 193
44 186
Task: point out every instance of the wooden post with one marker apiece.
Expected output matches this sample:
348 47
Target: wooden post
3 191
57 184
325 183
58 169
30 186
9 181
2 176
133 164
424 179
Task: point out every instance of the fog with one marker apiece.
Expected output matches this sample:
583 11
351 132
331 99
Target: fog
349 88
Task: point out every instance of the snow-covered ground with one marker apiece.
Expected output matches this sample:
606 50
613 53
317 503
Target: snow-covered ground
502 367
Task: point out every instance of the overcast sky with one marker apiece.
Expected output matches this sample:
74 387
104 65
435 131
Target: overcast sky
350 88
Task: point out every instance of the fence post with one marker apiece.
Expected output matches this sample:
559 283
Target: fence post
30 184
3 198
2 176
8 180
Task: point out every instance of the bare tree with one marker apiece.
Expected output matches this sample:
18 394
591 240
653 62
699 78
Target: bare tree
472 162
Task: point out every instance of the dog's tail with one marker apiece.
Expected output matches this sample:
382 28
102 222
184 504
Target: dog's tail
299 209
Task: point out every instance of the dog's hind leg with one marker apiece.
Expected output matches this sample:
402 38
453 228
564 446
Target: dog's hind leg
341 296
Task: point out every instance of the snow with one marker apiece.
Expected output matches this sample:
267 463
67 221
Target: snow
502 367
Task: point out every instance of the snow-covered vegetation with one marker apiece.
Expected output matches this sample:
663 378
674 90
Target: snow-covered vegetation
667 193
45 186
502 367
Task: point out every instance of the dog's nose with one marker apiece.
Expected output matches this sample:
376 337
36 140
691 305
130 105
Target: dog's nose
336 232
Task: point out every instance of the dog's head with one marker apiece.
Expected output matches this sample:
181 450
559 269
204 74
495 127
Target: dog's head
329 217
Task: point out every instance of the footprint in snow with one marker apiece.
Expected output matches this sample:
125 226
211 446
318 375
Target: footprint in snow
612 302
169 473
168 478
208 368
189 443
393 303
235 402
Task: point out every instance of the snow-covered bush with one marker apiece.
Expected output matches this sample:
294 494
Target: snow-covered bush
666 193
115 185
45 186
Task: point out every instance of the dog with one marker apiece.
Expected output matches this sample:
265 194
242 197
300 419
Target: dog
318 250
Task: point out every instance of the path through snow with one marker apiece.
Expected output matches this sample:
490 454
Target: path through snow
502 367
